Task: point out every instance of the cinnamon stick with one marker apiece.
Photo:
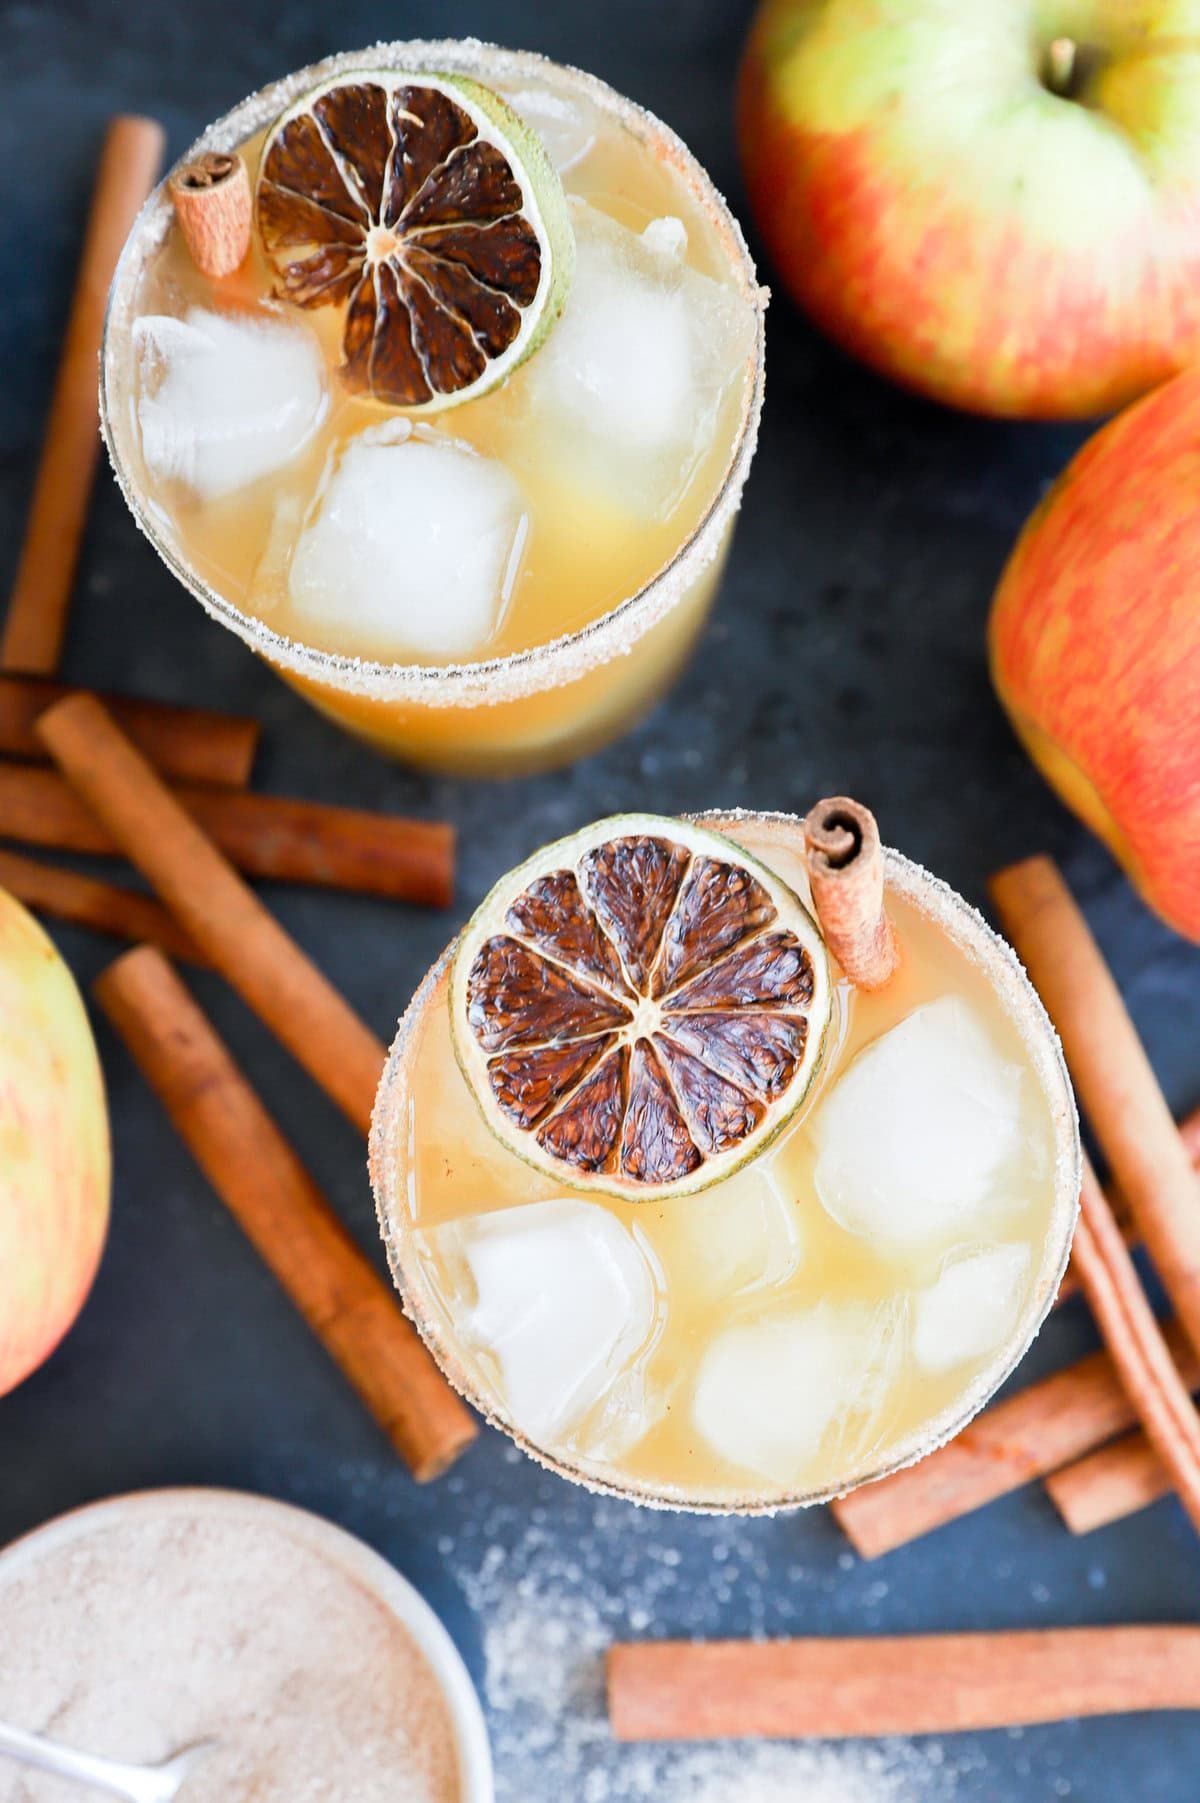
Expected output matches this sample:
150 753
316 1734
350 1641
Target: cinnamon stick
845 871
87 902
258 1176
1116 1481
1189 1133
37 613
206 895
213 207
914 1684
1139 1352
1010 1444
1070 1285
267 836
189 744
1120 1479
1116 1086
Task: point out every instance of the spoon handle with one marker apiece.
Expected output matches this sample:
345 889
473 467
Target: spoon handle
133 1782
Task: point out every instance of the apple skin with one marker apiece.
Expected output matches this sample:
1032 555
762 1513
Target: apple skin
960 227
1094 641
55 1159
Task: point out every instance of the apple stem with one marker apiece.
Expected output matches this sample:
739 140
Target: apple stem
1060 65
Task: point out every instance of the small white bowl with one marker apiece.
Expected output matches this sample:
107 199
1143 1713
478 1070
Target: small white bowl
333 1544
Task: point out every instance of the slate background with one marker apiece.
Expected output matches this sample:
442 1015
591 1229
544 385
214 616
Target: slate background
846 654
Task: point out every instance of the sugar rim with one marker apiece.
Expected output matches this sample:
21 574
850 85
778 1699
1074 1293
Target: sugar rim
966 926
491 680
335 1544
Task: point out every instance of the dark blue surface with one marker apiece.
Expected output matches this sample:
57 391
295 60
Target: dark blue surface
846 654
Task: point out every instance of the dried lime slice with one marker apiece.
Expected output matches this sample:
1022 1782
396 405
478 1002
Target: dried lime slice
426 208
639 1008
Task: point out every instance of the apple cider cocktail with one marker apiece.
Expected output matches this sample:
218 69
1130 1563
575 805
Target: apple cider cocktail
687 1211
457 445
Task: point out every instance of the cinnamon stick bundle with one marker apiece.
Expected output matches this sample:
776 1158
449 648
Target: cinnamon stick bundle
254 1170
224 917
1010 1444
37 613
1119 1479
1189 1133
87 902
915 1684
188 744
1030 1435
1141 1356
266 836
1117 1088
1148 1156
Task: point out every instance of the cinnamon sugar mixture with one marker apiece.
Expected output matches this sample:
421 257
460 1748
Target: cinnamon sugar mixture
146 1635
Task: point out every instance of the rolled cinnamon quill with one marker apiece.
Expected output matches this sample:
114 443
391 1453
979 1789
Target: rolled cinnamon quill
1116 1481
217 910
212 204
914 1684
188 744
1189 1133
37 611
351 1309
845 871
87 901
271 836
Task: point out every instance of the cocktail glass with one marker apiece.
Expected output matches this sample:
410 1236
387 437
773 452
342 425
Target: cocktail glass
433 1161
565 692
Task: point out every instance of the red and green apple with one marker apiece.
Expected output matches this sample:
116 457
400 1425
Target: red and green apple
55 1163
996 202
1095 642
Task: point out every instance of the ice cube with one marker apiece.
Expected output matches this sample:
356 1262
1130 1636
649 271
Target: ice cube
567 127
768 1393
623 395
564 1302
922 1138
632 1405
224 398
972 1309
666 238
269 583
411 549
743 1234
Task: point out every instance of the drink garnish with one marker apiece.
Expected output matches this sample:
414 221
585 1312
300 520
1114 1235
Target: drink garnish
640 1008
844 859
426 208
211 196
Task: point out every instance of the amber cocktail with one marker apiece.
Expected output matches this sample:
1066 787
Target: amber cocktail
690 1215
458 445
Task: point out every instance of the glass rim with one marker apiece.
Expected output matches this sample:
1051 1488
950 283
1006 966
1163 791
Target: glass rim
967 927
556 661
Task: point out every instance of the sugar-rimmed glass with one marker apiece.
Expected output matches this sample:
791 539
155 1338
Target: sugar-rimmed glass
774 838
536 707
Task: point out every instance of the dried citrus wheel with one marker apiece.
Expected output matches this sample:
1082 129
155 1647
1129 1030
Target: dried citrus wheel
639 1008
425 207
